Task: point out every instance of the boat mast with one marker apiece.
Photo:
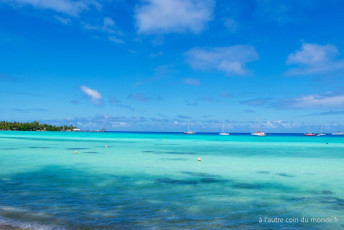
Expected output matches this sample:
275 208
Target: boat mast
257 124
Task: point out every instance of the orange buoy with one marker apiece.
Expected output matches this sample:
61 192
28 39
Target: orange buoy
75 152
199 159
106 146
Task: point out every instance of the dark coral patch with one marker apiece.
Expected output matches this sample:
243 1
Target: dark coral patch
263 172
174 181
327 192
34 147
284 175
76 148
247 186
199 174
174 159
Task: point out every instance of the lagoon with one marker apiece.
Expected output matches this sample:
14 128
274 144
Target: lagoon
154 181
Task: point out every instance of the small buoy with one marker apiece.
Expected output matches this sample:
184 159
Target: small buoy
75 152
106 146
199 159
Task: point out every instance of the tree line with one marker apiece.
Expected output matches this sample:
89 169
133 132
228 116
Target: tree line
33 126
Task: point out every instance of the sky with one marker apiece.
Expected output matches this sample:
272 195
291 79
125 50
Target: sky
154 65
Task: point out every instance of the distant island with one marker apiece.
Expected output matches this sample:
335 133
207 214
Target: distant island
34 126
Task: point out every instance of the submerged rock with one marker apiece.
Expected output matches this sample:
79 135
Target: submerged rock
263 172
199 174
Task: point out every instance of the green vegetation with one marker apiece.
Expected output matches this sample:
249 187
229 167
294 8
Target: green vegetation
33 126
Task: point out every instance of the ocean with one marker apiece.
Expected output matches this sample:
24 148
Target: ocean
70 180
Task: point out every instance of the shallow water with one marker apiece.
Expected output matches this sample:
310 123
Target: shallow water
154 181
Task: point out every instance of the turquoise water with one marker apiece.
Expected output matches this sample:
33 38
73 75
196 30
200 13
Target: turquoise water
154 181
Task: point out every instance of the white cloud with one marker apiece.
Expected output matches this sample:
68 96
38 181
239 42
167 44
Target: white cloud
316 101
269 124
311 54
94 95
164 16
107 26
314 59
231 59
69 7
63 20
116 40
116 124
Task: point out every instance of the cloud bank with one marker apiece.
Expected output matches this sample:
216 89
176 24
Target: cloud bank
315 101
231 59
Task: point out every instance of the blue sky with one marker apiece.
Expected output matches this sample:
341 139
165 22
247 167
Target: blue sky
155 64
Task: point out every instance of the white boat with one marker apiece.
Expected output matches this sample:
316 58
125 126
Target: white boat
258 133
189 131
222 133
338 134
321 133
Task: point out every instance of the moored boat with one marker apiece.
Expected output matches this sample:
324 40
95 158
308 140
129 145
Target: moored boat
338 134
189 131
258 133
222 133
309 134
321 133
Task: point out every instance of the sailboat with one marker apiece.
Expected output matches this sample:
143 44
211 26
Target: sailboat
321 133
309 134
222 133
258 133
339 133
188 131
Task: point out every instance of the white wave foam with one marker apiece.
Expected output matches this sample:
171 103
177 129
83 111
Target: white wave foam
26 225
